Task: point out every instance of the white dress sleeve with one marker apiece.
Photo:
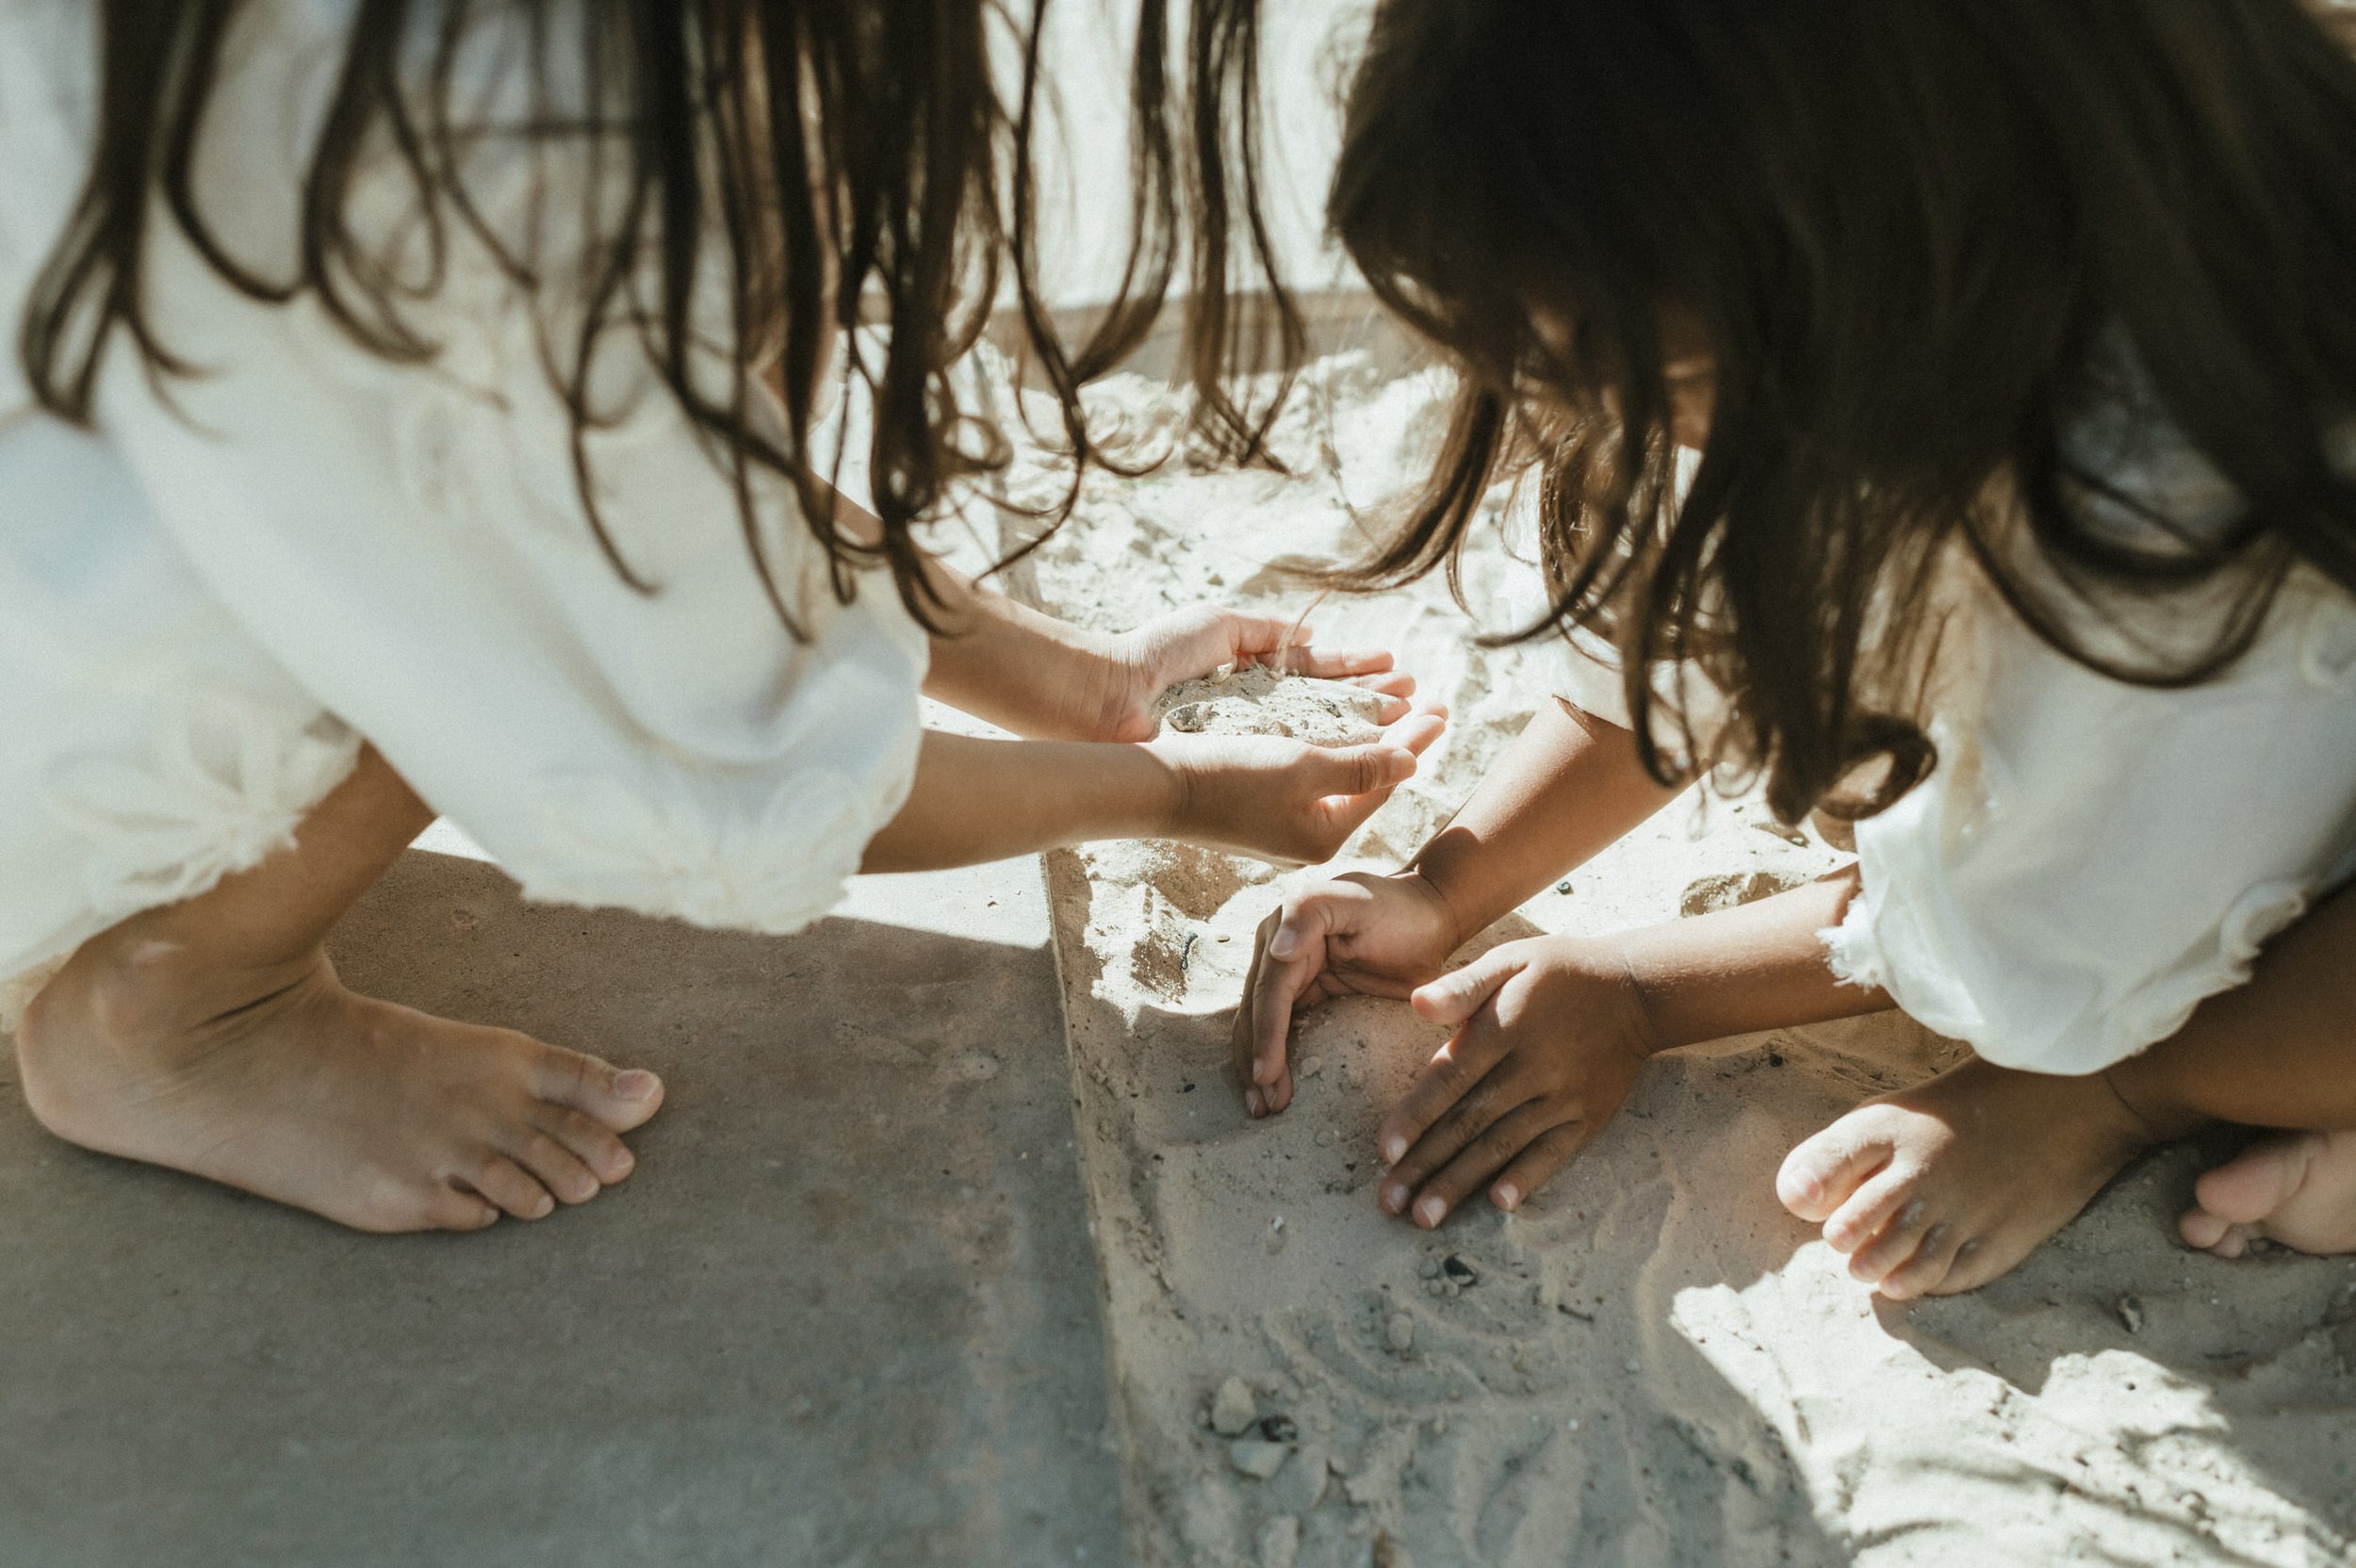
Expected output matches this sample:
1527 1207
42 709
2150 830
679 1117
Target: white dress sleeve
411 545
401 552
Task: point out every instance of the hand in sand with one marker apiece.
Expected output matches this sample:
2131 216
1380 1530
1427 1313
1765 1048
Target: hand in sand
1139 666
1360 935
1285 800
1550 1037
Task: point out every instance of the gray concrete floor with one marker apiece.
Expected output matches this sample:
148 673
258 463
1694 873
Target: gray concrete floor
845 1313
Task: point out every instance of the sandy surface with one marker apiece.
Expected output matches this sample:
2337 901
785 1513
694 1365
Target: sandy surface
1652 1363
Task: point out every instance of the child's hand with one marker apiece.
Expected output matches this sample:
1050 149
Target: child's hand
1550 1034
1360 935
1285 800
1136 667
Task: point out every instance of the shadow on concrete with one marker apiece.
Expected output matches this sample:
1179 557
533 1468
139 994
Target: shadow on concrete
845 1313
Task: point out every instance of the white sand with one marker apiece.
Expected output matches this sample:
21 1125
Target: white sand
1652 1363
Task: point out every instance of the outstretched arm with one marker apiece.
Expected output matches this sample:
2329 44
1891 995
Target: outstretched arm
976 799
1026 671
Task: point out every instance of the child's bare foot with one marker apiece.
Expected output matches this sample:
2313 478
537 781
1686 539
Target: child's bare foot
282 1081
1943 1187
2297 1188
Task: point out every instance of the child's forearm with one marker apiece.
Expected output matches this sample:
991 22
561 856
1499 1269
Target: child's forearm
997 660
1014 666
1568 785
1736 972
977 800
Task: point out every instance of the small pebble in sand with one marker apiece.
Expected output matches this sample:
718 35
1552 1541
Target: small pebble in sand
1279 1428
1326 1137
1459 1272
1312 1066
1435 1287
1635 1366
2130 1313
1256 1457
1233 1408
1400 1334
1428 1270
1563 887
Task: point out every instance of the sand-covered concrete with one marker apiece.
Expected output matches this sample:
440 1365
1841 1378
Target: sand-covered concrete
844 1313
1652 1363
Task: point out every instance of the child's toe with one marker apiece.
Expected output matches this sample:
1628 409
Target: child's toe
1868 1209
2254 1184
1928 1268
1821 1174
1894 1244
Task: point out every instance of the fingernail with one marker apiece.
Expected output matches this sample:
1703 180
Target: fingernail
1430 1211
635 1084
1394 1149
1508 1195
1280 945
1394 1199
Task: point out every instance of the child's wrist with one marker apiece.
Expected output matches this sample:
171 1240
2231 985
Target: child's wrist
1170 797
1626 1009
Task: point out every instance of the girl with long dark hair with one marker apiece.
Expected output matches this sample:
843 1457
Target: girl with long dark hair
423 403
1944 414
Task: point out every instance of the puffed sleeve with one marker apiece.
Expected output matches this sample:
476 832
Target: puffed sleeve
409 543
2090 861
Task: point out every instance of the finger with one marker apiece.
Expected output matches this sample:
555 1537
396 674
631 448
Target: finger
1485 1155
499 1179
1457 995
1396 683
1256 638
1335 664
1346 772
1438 1086
1536 1164
592 1142
555 1167
1423 724
1289 961
1389 709
1243 1028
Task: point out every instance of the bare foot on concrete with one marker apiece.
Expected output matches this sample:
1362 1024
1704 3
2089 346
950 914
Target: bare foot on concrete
282 1083
1943 1187
2296 1188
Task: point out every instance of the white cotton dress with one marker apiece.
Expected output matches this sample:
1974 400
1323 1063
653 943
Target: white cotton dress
2091 859
209 600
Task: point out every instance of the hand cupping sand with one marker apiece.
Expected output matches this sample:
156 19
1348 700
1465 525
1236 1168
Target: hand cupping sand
1255 700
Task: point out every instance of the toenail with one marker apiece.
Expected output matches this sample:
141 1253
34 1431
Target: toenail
635 1084
1508 1195
1395 1199
1430 1211
1395 1150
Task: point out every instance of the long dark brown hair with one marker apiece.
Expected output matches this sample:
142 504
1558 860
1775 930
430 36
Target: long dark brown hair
1926 243
844 160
